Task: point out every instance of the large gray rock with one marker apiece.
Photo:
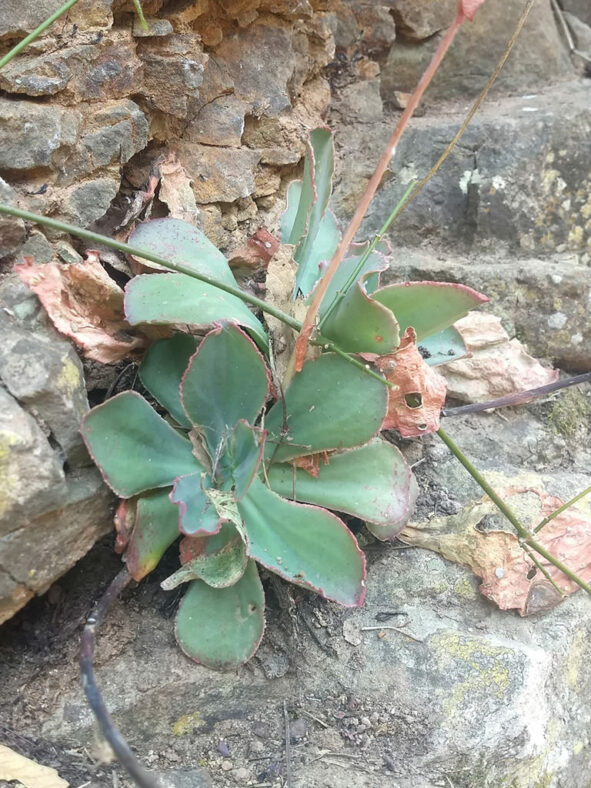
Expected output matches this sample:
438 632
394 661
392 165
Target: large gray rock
53 506
519 176
12 231
22 16
580 8
539 57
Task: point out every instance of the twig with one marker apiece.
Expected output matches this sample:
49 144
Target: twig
330 754
316 719
287 747
520 398
142 777
36 33
562 509
374 182
394 629
525 535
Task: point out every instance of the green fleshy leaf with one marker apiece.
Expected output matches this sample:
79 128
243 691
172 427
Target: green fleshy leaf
164 299
182 244
443 347
162 369
304 544
243 456
313 251
386 533
221 628
361 325
219 568
371 482
226 381
196 514
156 528
429 307
306 222
330 404
135 449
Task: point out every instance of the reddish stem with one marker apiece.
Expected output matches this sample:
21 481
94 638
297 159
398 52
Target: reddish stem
372 187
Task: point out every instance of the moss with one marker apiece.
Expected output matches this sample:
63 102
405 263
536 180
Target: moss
570 411
189 723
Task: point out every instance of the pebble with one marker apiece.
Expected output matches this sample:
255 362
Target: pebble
298 729
241 775
227 766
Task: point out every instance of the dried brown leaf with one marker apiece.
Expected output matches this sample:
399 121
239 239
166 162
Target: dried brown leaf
509 576
85 304
414 405
15 767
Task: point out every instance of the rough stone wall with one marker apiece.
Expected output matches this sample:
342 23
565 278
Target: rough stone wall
231 87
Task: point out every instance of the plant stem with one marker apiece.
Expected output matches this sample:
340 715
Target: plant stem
120 747
359 267
562 509
36 33
542 569
140 13
520 398
371 189
524 534
104 240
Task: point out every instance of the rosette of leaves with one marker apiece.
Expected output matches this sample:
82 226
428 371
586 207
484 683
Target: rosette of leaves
222 471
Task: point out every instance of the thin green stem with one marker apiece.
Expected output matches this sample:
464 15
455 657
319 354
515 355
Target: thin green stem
364 258
542 569
104 240
36 33
524 534
140 13
562 509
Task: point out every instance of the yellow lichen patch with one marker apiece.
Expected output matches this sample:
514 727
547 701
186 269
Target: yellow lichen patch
576 658
188 724
487 671
68 379
464 589
8 481
578 748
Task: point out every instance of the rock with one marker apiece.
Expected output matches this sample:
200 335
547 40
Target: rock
581 32
360 102
539 56
219 174
419 19
579 8
519 175
12 231
35 135
155 27
184 778
38 247
52 507
23 16
86 203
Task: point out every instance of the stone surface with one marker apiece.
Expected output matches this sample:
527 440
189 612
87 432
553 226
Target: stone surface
419 19
20 16
538 57
520 175
579 8
544 303
53 506
12 231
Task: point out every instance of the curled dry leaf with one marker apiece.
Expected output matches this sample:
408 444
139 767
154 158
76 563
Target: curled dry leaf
509 576
414 406
497 366
124 521
311 462
15 767
85 304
